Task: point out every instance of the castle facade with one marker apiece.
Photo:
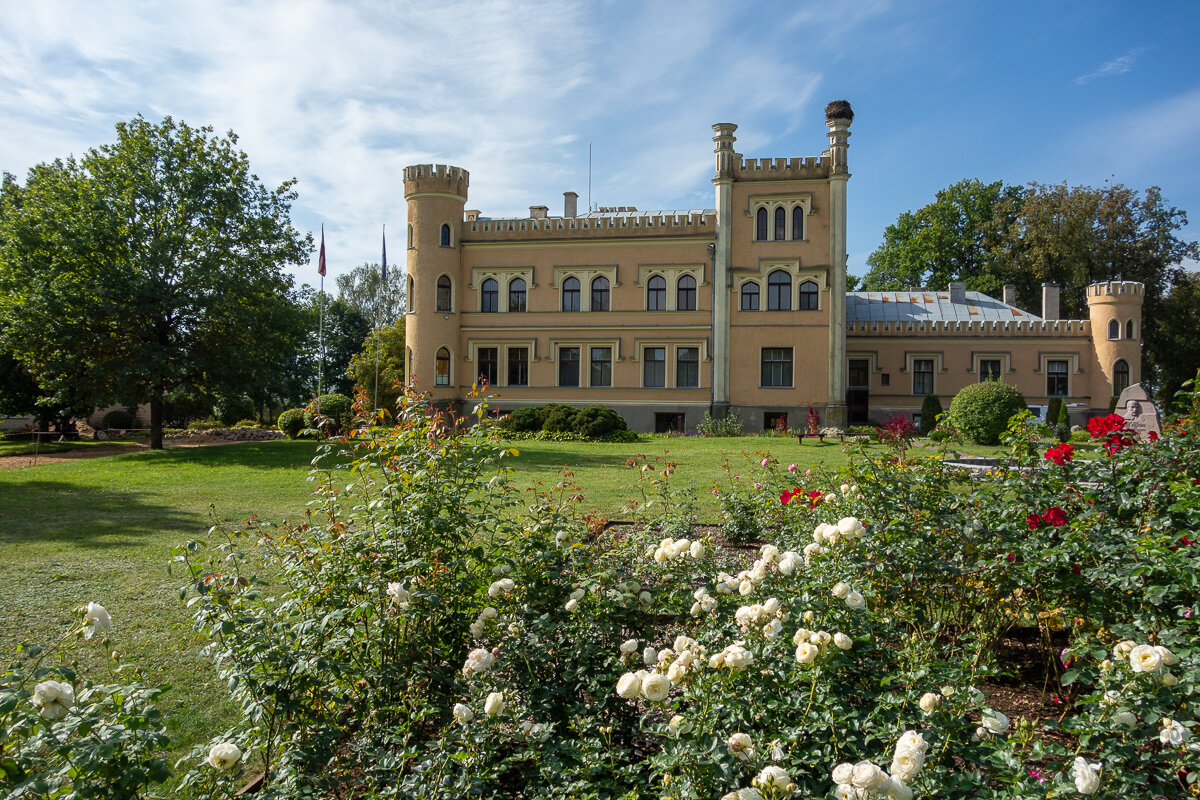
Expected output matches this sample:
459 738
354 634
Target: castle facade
665 315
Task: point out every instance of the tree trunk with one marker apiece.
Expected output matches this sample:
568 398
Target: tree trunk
156 420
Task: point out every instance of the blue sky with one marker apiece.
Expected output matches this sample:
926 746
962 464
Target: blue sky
343 95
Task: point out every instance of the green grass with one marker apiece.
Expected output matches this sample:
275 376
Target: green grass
102 530
21 447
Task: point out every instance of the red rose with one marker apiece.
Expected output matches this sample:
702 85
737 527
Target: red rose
1055 516
1034 520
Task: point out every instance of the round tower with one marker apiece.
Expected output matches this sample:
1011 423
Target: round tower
436 195
1115 312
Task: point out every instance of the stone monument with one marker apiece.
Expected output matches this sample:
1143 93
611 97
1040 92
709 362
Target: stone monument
1139 411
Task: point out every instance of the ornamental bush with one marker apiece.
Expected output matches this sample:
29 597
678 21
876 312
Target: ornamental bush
119 418
291 422
728 426
230 408
335 416
931 409
980 411
597 421
527 420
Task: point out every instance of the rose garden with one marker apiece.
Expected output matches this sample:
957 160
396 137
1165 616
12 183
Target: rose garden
896 628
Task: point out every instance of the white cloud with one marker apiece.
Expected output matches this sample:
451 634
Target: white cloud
1116 66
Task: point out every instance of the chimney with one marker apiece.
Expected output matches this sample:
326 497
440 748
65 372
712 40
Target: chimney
538 212
1050 292
1010 294
958 293
570 204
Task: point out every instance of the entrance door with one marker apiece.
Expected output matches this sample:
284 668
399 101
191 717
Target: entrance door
858 391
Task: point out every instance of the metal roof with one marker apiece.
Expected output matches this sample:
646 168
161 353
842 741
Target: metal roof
929 307
617 214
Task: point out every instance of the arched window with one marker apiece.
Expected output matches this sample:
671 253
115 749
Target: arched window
750 296
798 223
685 294
600 294
1114 329
443 293
441 375
410 235
516 295
445 234
489 296
570 294
656 294
780 224
1120 376
760 225
1129 331
808 296
411 300
779 291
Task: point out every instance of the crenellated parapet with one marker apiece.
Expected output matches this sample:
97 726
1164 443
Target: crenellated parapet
601 227
436 179
1067 328
1115 288
782 169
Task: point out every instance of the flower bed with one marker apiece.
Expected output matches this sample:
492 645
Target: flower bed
433 633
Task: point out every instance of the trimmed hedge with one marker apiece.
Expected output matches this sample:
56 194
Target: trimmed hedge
980 411
121 418
591 422
337 408
291 422
931 407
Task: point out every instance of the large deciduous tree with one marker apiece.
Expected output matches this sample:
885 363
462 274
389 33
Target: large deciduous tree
150 264
991 235
384 351
365 290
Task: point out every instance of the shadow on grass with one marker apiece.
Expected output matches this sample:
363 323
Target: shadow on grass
58 511
531 458
274 454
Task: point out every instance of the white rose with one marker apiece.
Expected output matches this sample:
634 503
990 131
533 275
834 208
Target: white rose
1126 718
842 641
629 686
494 590
696 550
929 702
994 721
912 741
1087 776
476 629
675 672
844 791
661 555
897 790
802 635
572 605
812 549
645 599
741 746
628 646
578 594
682 643
678 724
649 656
807 653
1168 658
463 714
52 699
947 691
494 704
562 538
906 764
842 773
478 662
789 564
1121 650
841 590
223 756
774 778
96 620
771 606
1145 658
868 777
489 613
745 587
849 527
855 601
1173 733
1168 679
656 687
769 553
820 638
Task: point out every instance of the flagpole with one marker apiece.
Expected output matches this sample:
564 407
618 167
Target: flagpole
321 322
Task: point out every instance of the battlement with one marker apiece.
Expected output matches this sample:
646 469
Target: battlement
436 178
777 169
1115 288
1072 328
591 227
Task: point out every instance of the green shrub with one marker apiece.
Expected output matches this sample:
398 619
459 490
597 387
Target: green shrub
1080 437
941 434
526 420
980 411
931 407
337 409
1053 407
1063 427
625 436
596 421
291 422
119 418
728 426
560 419
181 408
246 423
203 424
230 409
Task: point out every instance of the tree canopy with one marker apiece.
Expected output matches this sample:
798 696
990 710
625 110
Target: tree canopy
989 235
150 264
364 290
390 341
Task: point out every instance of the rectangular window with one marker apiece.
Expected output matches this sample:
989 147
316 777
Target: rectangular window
518 366
687 367
1056 378
922 376
859 374
654 367
601 366
568 366
489 364
777 366
989 369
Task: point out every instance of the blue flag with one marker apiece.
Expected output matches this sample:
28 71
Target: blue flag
384 273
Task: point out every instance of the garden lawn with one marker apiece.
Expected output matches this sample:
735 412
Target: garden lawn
102 530
21 447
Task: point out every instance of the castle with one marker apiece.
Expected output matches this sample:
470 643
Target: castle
665 315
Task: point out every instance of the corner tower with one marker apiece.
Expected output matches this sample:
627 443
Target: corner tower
436 195
1115 312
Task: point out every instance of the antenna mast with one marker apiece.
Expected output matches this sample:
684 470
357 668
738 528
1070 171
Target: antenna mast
589 177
